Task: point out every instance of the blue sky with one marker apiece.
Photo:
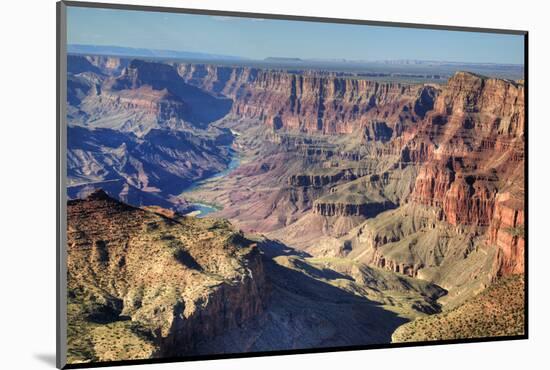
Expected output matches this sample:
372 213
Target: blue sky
261 38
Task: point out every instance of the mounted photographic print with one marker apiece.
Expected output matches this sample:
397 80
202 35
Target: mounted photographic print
235 184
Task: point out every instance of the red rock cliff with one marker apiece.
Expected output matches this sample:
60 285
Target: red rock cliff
477 132
507 233
311 103
467 136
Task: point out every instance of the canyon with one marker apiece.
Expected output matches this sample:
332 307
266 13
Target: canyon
357 206
167 285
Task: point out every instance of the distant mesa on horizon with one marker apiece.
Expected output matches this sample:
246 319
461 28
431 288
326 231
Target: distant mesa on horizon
283 59
123 51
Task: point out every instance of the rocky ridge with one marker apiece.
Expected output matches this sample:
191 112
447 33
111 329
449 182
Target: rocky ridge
161 281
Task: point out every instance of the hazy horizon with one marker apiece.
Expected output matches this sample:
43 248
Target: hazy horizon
255 38
237 57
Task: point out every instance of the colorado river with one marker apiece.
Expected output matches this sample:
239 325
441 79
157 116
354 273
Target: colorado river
201 209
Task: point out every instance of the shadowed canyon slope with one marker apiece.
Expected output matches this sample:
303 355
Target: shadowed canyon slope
137 130
363 205
173 286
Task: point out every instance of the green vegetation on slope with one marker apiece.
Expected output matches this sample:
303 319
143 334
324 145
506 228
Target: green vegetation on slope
95 334
497 311
134 275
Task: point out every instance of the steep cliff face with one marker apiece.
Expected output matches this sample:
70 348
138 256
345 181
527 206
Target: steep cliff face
367 209
175 279
469 201
489 105
463 199
432 183
477 129
229 307
475 133
312 103
328 178
507 232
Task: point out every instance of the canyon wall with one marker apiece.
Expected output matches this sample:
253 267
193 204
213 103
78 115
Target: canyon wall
308 102
465 138
507 231
478 175
470 170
